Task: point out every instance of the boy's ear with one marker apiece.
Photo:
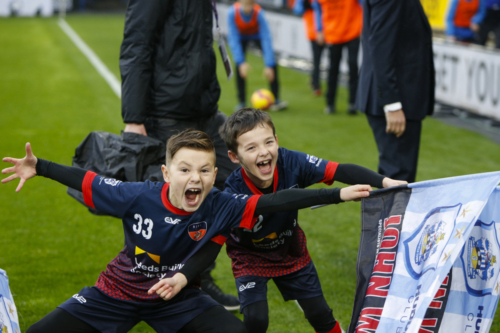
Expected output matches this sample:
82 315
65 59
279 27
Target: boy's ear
215 175
276 137
166 175
233 157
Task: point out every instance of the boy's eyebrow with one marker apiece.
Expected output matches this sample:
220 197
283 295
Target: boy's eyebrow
189 165
253 142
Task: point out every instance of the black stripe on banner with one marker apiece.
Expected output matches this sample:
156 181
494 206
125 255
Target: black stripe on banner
382 216
434 314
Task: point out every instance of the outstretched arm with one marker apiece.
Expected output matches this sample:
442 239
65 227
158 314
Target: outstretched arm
30 166
293 199
355 174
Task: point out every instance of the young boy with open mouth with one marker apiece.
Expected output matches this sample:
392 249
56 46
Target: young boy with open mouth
275 248
165 224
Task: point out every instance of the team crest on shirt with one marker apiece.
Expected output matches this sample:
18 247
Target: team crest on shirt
197 230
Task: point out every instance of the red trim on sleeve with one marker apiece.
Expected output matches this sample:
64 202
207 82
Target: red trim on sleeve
254 188
331 167
219 239
248 220
87 188
168 205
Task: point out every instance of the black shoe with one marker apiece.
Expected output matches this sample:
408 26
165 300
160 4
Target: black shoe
228 301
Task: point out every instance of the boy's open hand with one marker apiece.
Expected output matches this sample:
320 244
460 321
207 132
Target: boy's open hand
24 168
169 287
355 192
389 182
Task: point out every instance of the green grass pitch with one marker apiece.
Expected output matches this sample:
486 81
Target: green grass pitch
51 96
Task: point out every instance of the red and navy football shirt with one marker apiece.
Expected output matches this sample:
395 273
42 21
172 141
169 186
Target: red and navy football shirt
159 238
276 245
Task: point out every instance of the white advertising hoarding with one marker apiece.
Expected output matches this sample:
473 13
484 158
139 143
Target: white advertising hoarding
468 77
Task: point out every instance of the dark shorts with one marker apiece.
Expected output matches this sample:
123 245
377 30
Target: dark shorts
299 285
108 314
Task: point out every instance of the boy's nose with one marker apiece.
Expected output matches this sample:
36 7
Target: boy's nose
263 152
195 177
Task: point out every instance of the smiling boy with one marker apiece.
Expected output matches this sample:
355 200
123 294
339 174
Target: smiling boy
164 225
275 248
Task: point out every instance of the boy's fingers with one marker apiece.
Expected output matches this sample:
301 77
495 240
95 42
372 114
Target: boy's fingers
20 186
154 288
29 152
8 170
11 177
9 160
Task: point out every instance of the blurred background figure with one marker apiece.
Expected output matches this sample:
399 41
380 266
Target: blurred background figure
491 23
339 24
246 23
397 81
464 18
304 8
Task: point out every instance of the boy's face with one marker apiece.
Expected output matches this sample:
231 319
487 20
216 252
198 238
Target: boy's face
247 5
257 153
191 174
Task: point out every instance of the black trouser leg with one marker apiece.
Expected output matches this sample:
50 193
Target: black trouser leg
335 51
496 28
352 51
215 320
256 317
318 313
490 23
317 50
275 84
398 157
61 321
241 82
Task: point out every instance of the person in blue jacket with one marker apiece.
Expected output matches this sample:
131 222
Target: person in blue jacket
246 23
464 18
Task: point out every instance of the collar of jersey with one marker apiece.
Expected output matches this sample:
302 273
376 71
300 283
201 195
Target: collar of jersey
168 205
254 188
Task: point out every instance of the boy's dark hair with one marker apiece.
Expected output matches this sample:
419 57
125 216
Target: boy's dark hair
240 122
189 138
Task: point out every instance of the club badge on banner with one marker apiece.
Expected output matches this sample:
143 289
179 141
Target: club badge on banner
9 322
427 257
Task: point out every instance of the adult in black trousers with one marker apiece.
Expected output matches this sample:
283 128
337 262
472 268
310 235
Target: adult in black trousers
396 87
490 23
169 82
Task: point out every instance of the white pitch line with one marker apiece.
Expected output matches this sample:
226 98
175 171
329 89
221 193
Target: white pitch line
101 68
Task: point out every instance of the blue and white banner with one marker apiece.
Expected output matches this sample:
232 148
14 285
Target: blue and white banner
411 237
9 322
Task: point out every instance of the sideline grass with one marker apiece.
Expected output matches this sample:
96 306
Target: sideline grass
50 95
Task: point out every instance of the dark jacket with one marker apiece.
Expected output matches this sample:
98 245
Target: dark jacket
397 59
167 62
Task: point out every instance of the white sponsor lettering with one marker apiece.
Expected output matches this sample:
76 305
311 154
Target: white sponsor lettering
79 298
170 220
154 270
109 181
249 285
312 159
240 196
